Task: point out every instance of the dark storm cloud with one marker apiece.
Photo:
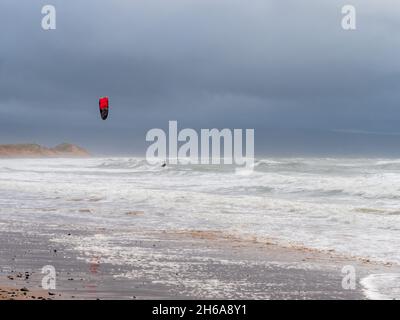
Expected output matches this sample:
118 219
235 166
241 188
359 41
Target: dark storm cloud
285 68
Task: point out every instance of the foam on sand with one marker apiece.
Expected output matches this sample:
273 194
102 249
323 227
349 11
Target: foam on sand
385 286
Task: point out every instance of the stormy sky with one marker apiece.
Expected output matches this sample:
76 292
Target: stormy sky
283 67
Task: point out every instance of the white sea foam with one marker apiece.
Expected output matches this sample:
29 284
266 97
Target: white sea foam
384 286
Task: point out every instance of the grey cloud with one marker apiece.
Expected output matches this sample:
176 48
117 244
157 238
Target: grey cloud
285 68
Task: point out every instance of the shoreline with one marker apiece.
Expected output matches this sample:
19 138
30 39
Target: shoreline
210 266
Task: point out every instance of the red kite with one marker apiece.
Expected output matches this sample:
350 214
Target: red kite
103 105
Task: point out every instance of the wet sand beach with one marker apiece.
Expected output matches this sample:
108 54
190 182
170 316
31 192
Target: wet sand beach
185 264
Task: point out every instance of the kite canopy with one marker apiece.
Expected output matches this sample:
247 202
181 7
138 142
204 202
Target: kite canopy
103 106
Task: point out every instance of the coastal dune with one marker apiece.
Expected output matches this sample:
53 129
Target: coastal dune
38 151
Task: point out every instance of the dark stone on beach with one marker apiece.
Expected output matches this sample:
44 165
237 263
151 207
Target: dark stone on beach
24 289
51 294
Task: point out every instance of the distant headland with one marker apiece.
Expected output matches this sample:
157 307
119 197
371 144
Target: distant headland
38 151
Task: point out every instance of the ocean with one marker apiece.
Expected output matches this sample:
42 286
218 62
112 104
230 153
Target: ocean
350 206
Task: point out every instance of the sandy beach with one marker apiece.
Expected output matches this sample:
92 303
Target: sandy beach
210 265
